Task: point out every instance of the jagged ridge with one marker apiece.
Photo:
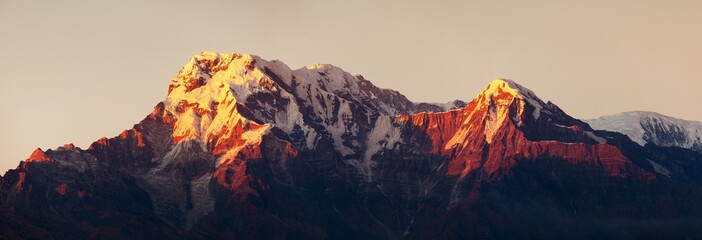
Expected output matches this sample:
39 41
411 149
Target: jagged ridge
244 147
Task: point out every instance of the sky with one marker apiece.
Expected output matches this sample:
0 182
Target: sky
75 71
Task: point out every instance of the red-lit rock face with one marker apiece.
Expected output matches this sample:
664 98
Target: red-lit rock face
38 156
439 127
232 174
512 146
133 134
485 135
19 185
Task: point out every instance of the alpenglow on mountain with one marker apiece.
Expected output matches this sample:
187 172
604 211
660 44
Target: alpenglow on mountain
245 148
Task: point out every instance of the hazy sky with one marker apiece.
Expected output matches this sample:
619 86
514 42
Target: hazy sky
74 71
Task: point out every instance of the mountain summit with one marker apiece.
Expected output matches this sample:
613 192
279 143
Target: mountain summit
214 91
246 148
503 96
503 91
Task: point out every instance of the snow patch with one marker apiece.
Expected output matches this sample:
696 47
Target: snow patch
626 123
203 202
290 118
660 169
364 168
385 135
595 137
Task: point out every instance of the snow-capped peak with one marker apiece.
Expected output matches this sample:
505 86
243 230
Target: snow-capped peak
502 92
214 92
651 127
506 86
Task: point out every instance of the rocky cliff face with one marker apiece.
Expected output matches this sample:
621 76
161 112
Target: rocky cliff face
247 148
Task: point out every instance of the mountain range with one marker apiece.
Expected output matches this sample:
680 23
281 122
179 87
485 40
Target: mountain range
246 148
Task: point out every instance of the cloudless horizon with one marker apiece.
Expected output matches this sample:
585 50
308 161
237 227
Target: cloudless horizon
76 71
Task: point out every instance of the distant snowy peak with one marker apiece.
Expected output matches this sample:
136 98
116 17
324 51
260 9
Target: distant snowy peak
655 128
